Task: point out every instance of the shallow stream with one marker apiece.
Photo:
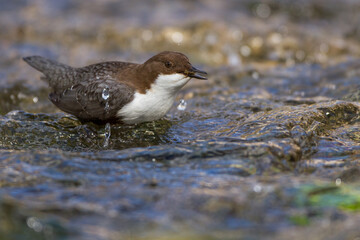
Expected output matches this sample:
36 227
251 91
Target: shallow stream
268 147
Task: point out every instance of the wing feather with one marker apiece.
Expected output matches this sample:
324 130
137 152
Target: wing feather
95 100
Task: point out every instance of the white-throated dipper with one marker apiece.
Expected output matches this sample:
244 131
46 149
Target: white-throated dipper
117 91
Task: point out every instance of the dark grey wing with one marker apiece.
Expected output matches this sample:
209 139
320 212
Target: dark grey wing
96 100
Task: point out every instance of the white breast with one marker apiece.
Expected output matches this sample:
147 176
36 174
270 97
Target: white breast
156 102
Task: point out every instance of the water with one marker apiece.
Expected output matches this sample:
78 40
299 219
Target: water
268 147
107 134
105 93
182 105
107 106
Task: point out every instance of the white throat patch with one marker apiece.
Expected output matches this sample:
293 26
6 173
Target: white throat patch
156 102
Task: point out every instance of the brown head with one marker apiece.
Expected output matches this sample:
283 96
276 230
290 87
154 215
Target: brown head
168 62
171 70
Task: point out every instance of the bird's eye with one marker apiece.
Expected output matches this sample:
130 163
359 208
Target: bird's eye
168 64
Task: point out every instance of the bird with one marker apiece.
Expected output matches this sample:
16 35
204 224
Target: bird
115 91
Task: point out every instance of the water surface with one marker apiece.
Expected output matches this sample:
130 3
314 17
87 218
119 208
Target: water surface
268 147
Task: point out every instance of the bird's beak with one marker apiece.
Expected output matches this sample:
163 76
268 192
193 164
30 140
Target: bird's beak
196 73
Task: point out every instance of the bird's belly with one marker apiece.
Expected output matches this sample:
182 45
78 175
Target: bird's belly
146 107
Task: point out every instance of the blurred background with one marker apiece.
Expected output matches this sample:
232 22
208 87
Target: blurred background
268 147
212 33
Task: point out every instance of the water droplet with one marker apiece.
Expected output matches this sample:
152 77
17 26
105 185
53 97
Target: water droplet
257 188
255 75
338 182
105 93
182 105
107 135
34 223
106 106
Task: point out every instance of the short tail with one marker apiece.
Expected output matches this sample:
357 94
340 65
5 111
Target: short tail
46 66
58 75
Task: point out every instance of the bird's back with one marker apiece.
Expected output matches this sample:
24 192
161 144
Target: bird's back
61 76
